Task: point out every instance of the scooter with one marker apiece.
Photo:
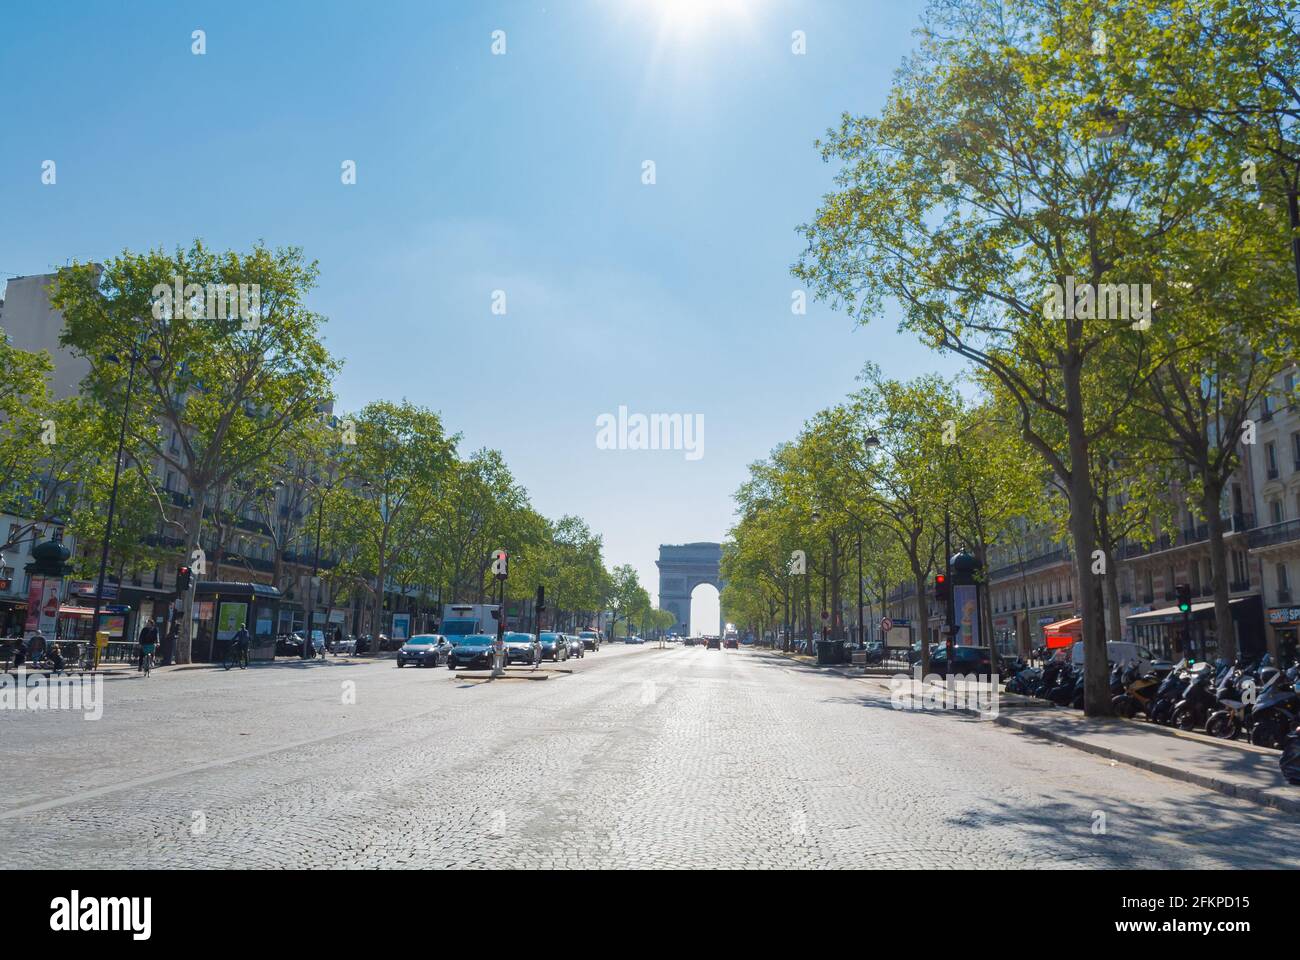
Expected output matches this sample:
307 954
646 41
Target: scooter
1276 711
1198 700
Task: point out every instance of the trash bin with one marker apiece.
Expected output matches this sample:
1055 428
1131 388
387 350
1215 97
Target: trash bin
829 652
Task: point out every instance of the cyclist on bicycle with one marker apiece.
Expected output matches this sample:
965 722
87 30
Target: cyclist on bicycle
147 647
240 641
148 637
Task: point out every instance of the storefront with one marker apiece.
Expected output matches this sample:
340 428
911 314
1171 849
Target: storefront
1162 630
219 609
1284 622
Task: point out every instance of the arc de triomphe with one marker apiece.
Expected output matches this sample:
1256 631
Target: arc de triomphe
682 568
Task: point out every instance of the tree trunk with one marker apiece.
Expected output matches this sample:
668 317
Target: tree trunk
184 641
1096 672
1219 572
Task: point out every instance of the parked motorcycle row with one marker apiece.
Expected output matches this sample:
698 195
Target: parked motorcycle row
1254 700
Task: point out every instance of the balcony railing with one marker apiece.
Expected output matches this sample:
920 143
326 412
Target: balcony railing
1275 533
1238 586
1033 563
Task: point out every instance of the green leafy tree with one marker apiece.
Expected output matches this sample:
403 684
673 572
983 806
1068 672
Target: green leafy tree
227 389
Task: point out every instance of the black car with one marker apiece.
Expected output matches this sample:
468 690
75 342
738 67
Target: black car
576 649
590 639
965 661
555 646
471 650
424 650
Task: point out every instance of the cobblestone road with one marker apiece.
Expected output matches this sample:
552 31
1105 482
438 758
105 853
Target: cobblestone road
639 758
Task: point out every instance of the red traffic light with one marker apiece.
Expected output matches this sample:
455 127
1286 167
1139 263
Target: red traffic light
941 587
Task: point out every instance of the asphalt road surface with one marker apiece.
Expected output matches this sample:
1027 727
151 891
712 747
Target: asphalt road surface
640 757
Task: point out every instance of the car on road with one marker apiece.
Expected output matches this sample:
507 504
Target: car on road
576 649
590 639
731 643
555 647
631 639
713 643
965 661
523 648
424 650
470 650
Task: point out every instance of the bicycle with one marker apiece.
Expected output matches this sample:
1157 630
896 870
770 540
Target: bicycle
236 655
146 662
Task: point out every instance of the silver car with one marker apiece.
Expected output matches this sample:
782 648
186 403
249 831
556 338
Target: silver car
523 648
576 647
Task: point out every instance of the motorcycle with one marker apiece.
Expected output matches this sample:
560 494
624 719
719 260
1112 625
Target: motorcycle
1198 700
1276 711
1139 692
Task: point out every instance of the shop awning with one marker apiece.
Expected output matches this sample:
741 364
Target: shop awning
1069 625
66 611
1172 614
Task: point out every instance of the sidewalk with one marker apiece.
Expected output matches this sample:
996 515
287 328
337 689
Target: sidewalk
117 670
1230 767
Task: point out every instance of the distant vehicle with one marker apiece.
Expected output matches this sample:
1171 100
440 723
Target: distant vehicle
522 648
288 645
965 661
467 619
576 649
1118 651
590 639
748 640
346 645
472 650
732 642
555 646
713 643
633 639
318 642
424 650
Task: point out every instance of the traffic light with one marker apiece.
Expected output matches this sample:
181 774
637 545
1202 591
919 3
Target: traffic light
1184 594
941 587
184 577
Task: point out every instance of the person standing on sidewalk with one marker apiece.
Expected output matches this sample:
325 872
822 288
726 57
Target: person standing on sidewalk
169 644
148 637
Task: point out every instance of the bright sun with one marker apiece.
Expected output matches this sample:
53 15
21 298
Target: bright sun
684 19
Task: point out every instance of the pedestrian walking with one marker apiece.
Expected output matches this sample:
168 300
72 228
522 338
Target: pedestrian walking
148 638
20 651
169 644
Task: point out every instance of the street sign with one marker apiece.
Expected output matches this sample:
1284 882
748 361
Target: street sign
886 624
500 565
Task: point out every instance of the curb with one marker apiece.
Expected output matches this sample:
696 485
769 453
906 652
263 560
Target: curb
1261 796
1227 788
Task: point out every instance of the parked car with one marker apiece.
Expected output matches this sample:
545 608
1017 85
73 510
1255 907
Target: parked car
633 639
470 650
522 648
346 645
424 650
590 639
554 647
965 661
576 649
1119 651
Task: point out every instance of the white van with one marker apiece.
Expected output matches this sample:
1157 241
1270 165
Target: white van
1117 652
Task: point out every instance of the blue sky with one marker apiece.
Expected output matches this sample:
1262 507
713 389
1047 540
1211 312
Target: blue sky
476 173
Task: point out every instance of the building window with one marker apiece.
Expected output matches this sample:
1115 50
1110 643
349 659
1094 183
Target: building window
1283 583
1270 459
1275 511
